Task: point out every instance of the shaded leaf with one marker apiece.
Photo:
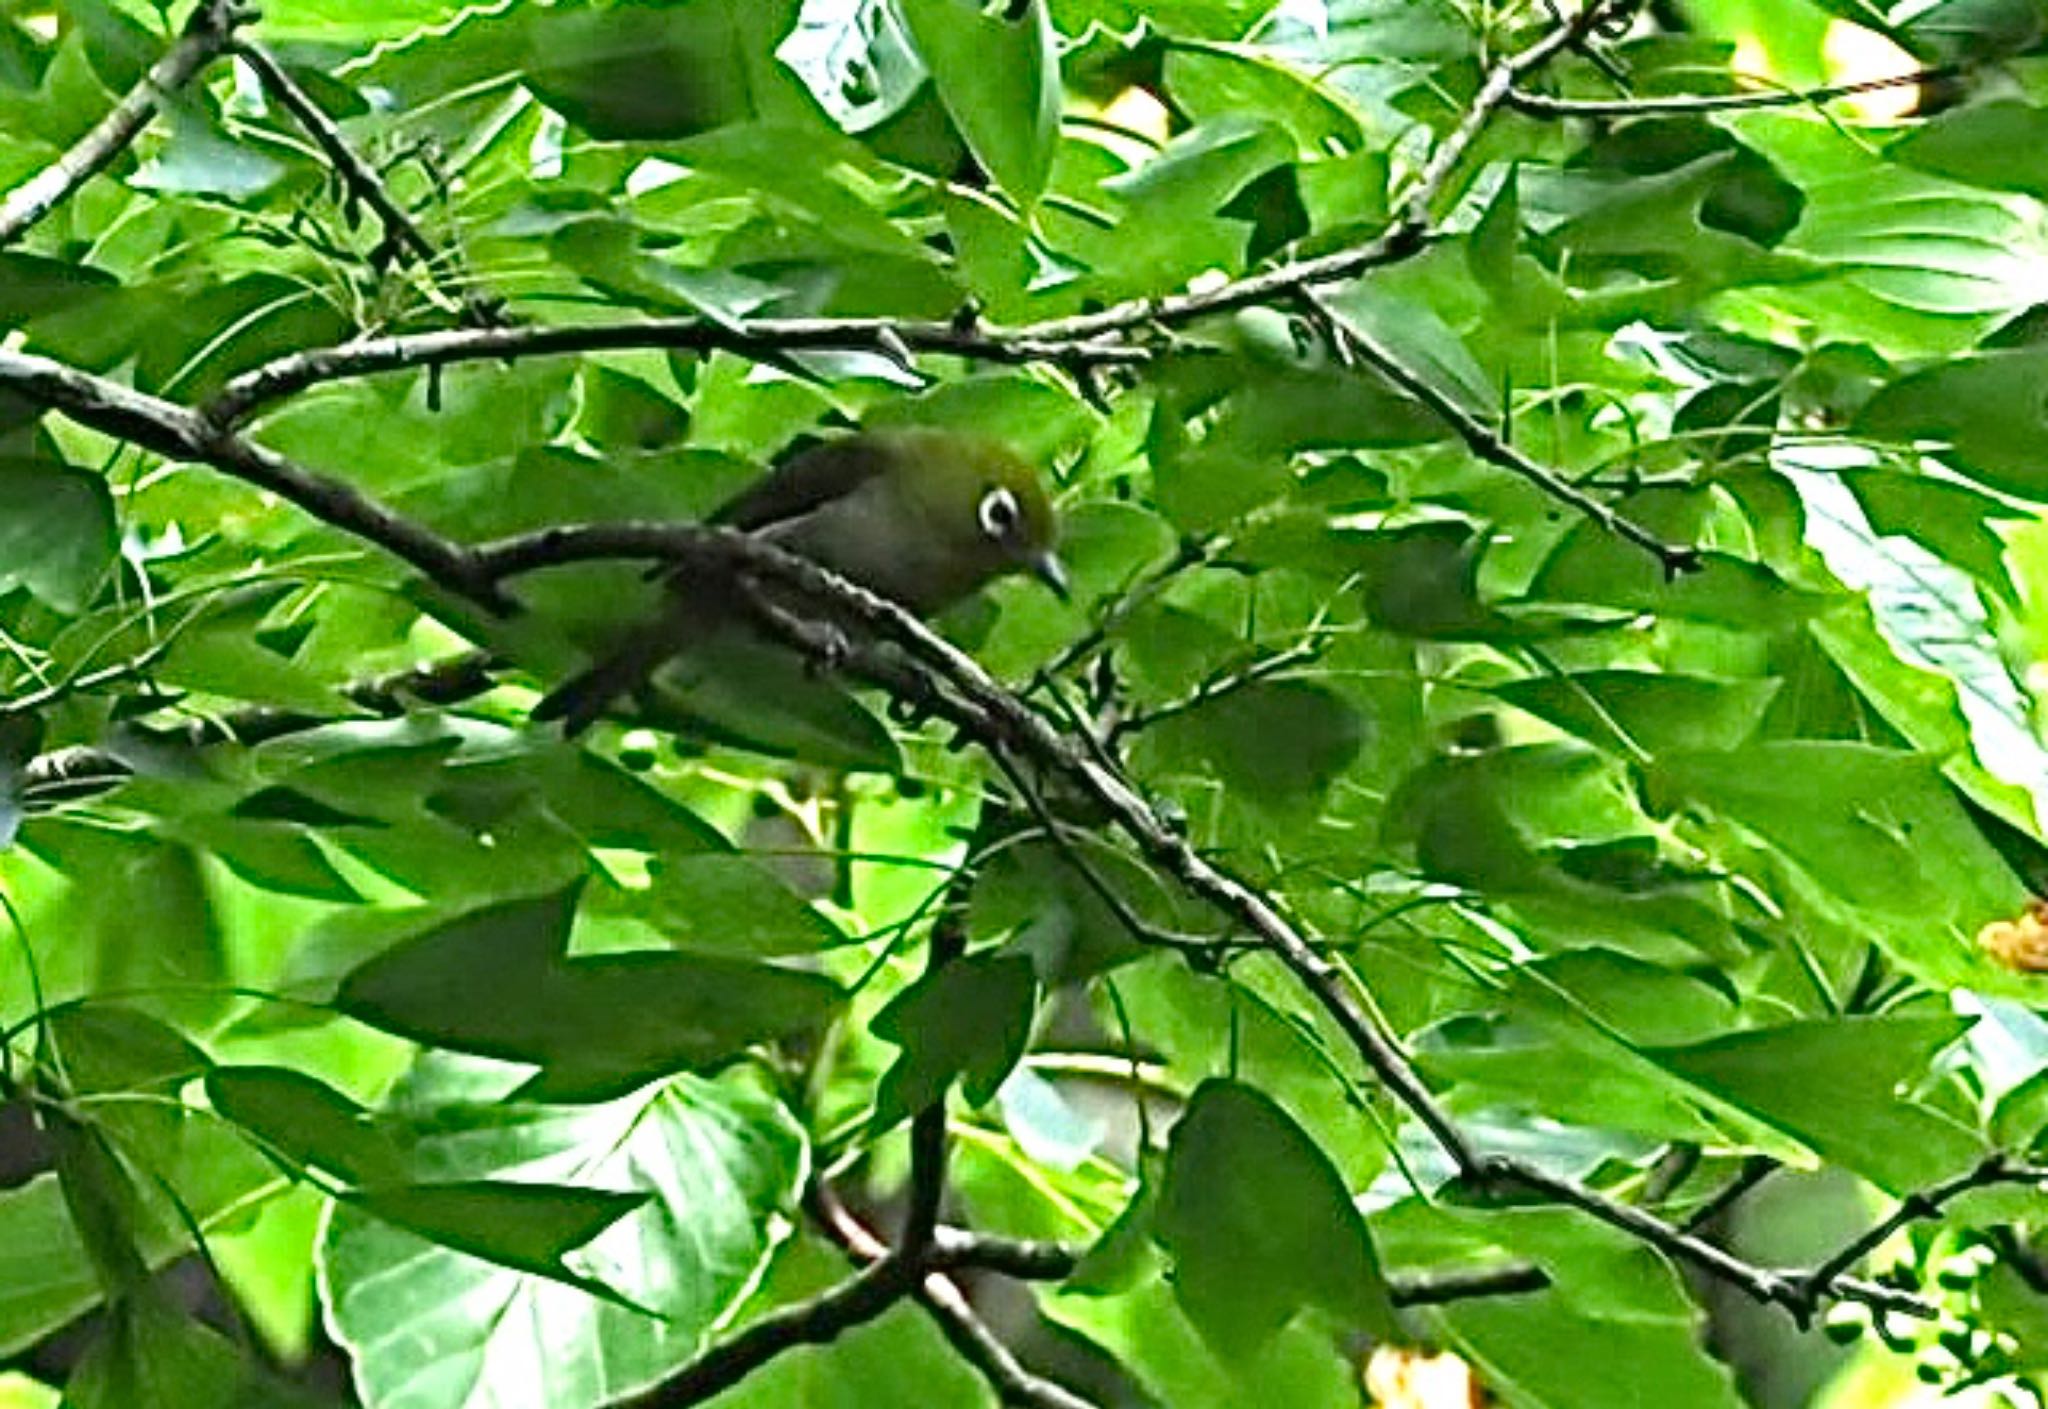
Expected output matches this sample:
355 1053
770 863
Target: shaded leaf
56 531
1259 1226
970 1019
998 73
497 982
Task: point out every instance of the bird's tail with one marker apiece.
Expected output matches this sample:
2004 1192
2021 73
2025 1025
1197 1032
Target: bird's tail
581 700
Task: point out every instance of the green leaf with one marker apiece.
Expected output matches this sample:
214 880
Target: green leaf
609 255
998 73
1423 580
32 285
57 535
201 160
1875 826
1660 713
1835 1086
151 1355
1148 1330
641 72
307 1121
523 1227
1272 204
623 412
1545 1352
1913 242
497 982
2002 144
971 1019
1259 1226
1272 741
1950 519
101 1197
1989 411
723 1165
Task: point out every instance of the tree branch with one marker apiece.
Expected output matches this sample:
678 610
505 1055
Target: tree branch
402 235
1542 105
856 1301
206 35
955 1316
993 716
1492 448
179 434
758 337
1996 1168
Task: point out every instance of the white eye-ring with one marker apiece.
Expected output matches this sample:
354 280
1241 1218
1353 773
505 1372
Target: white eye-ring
999 514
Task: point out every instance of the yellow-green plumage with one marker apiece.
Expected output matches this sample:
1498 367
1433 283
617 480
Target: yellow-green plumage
922 516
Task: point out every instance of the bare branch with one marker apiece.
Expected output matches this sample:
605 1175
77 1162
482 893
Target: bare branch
402 234
179 434
856 1301
206 35
759 337
956 1317
1995 1169
1542 105
1491 447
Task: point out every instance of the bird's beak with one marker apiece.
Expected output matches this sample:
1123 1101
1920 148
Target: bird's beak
1048 568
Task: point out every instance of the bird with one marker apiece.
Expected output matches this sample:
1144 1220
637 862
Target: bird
923 516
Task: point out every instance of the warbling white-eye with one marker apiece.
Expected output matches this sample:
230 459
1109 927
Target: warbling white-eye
924 517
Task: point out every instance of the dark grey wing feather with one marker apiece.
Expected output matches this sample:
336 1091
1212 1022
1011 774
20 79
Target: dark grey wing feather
816 476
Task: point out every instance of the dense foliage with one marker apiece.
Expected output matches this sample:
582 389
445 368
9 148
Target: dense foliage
1520 843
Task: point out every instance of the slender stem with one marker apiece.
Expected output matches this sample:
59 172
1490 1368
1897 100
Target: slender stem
1542 105
854 1302
402 233
1925 1203
206 35
955 1316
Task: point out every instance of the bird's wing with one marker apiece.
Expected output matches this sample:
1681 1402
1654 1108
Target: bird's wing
817 476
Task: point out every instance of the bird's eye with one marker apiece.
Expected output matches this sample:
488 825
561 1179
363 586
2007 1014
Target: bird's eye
999 514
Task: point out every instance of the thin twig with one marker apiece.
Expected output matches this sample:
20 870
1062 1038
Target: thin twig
758 337
1192 552
1219 686
402 233
955 1316
1494 93
1754 1171
859 1299
1542 105
179 434
1489 445
1465 1284
1926 1203
206 35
